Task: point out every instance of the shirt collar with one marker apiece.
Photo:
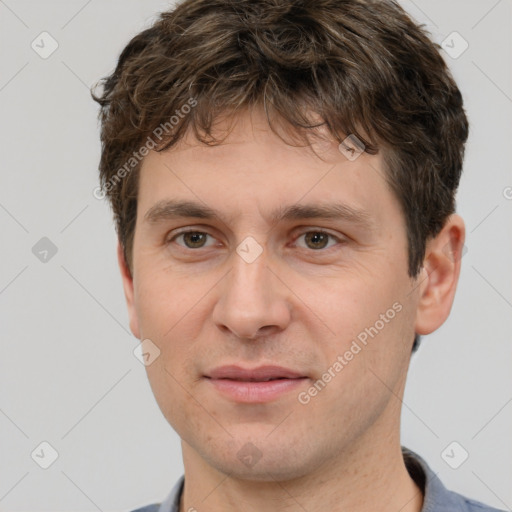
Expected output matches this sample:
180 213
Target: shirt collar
172 502
436 497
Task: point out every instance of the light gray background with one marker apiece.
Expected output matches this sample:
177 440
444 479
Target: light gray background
67 372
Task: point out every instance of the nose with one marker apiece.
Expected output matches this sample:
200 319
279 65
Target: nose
253 301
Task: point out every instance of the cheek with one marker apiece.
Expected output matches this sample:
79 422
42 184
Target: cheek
347 304
172 377
368 320
170 396
172 319
166 302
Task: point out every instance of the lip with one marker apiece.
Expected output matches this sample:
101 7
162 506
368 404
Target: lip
256 374
249 385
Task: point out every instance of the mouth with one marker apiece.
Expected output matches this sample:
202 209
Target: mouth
260 374
259 385
259 380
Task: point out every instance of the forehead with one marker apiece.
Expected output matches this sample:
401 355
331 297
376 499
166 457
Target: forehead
254 170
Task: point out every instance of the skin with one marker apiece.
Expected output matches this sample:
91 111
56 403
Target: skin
297 306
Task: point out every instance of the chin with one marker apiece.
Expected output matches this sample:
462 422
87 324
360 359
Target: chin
262 471
244 461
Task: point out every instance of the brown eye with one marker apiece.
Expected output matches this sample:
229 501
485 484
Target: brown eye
194 239
191 239
316 239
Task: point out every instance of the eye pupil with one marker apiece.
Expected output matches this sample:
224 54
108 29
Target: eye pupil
317 237
196 238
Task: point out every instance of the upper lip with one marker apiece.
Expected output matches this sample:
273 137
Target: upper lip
256 374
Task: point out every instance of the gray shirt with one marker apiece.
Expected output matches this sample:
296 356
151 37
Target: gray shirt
436 497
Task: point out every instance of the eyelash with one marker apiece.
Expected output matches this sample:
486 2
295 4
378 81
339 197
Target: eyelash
315 231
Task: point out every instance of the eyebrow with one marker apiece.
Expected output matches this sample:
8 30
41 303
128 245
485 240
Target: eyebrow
170 209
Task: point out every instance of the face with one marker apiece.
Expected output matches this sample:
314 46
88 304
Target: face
267 276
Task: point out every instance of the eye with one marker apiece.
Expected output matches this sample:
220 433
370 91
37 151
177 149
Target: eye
191 239
317 239
314 240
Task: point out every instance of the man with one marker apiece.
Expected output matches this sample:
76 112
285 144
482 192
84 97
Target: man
282 175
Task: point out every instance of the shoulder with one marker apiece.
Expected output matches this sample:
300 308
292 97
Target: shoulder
469 505
154 507
437 498
171 503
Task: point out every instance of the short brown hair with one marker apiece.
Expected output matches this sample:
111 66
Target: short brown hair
363 67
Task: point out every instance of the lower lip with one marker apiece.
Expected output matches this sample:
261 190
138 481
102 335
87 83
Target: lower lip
255 392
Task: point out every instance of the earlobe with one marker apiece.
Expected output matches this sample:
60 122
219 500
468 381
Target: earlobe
127 279
440 275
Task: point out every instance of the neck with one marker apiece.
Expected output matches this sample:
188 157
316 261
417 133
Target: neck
365 477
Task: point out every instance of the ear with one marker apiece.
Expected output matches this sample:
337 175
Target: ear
440 275
128 291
